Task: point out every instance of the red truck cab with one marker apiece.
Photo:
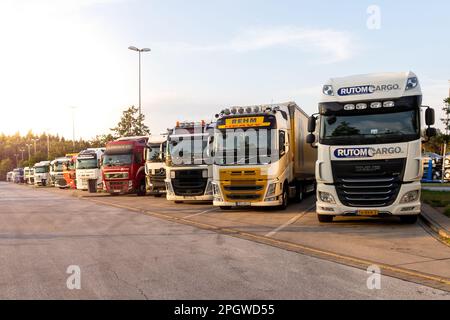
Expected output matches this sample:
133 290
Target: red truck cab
123 167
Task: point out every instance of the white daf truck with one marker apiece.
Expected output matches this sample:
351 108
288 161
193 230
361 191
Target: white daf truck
261 157
155 166
370 146
188 165
88 168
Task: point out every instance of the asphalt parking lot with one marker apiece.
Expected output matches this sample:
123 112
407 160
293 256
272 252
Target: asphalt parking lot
78 227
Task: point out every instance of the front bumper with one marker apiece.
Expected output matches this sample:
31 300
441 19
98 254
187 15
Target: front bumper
119 186
396 209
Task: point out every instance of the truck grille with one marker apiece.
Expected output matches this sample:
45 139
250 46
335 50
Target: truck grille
189 183
371 183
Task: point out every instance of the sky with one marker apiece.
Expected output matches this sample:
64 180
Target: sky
59 57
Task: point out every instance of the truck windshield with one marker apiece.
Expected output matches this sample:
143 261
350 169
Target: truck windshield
110 160
41 169
87 163
58 167
370 128
154 153
244 146
188 150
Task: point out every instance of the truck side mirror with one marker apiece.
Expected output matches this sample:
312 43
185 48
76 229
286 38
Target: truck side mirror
429 116
311 124
310 138
431 132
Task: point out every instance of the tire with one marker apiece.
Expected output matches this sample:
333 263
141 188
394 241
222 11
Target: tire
325 218
158 195
178 201
225 208
409 219
142 191
285 198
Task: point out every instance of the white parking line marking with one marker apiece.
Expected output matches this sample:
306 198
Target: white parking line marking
199 213
291 221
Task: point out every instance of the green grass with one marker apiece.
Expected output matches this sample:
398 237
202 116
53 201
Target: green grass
447 184
439 199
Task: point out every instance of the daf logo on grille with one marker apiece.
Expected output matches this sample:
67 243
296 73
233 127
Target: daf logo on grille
365 152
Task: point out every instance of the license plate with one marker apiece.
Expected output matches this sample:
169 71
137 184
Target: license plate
243 204
367 212
117 191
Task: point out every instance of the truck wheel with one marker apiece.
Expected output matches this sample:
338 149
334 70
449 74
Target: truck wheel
158 195
284 198
409 219
142 190
325 218
225 208
299 194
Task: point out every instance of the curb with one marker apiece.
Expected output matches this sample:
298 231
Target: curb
437 228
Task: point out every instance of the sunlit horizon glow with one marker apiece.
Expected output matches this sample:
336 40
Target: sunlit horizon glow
61 54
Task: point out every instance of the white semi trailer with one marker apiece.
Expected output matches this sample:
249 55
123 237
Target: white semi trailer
370 146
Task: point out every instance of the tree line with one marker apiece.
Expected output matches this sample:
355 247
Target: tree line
18 151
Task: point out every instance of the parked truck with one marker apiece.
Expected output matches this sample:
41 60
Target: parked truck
88 169
69 171
261 158
57 172
42 173
188 164
28 174
155 167
369 146
124 166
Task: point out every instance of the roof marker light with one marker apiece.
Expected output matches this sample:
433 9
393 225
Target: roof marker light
361 106
388 104
348 107
375 105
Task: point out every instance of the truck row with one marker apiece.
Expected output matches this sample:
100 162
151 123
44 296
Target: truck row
361 153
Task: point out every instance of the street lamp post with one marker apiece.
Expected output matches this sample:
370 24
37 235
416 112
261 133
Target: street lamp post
139 51
73 126
35 140
29 153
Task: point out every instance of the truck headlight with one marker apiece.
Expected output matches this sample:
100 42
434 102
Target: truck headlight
271 190
326 197
205 173
172 174
216 192
410 196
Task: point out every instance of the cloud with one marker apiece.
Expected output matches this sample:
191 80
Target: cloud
330 45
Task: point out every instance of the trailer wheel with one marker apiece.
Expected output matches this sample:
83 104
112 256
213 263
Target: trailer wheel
299 193
409 219
325 218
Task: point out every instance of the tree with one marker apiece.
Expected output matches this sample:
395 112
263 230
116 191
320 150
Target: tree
131 124
6 165
446 119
